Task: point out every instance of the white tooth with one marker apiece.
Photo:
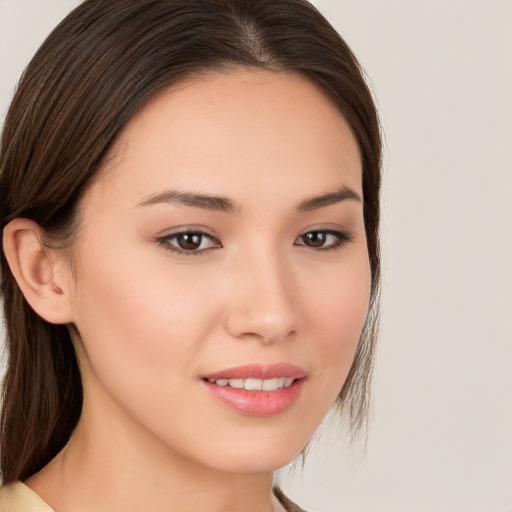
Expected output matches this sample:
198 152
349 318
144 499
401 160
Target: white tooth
211 380
252 384
222 382
288 382
236 383
270 384
281 382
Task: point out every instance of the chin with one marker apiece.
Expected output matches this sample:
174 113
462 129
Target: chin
259 455
261 464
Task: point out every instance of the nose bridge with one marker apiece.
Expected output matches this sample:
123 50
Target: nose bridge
264 302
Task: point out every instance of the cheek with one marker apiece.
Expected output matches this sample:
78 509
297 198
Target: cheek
338 312
140 324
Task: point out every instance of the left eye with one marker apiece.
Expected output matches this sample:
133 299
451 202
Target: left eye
188 242
326 239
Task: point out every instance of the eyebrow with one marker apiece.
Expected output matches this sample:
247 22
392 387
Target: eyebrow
317 202
219 204
226 205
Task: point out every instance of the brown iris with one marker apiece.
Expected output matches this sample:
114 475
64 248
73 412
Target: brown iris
315 238
189 241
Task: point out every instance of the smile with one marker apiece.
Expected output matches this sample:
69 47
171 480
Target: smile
257 389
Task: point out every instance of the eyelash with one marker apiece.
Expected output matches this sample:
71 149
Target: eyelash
341 239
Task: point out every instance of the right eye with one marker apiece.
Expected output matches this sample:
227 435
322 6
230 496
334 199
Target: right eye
188 242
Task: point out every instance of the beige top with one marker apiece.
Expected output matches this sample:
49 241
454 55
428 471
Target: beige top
17 497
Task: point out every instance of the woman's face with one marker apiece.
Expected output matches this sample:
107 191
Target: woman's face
223 242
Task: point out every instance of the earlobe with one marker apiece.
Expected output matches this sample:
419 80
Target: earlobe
34 268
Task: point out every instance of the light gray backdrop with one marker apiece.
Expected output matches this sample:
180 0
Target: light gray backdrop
441 435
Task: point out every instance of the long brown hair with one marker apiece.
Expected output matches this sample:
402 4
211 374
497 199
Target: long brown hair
100 66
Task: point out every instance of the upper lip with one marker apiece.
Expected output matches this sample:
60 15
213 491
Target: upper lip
259 371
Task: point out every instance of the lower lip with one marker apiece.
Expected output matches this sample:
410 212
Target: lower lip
257 403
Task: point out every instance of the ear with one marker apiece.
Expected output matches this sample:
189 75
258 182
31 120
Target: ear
40 272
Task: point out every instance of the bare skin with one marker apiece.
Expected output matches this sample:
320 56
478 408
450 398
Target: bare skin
152 319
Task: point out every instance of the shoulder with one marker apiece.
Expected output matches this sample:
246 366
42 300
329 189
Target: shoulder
17 497
285 501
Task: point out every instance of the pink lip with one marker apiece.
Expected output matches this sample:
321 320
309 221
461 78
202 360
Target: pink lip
259 371
257 403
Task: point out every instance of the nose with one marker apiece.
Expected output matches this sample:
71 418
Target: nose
264 300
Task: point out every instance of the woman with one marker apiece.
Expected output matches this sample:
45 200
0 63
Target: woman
190 261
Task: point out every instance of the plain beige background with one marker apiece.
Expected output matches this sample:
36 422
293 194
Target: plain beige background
441 434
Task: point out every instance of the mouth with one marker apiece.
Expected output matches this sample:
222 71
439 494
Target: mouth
257 390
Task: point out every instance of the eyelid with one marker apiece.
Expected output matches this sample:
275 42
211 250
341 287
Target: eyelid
186 228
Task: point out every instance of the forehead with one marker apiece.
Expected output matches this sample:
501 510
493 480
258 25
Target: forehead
235 133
